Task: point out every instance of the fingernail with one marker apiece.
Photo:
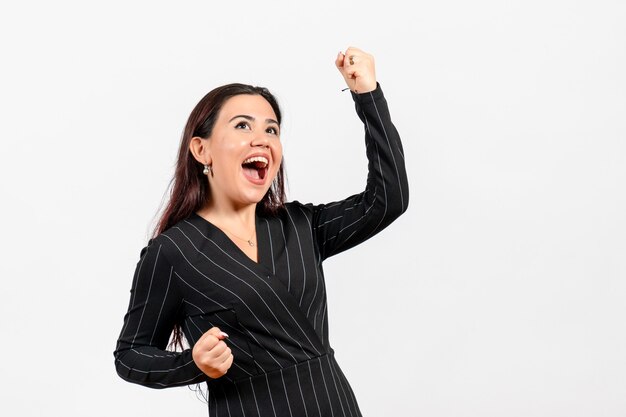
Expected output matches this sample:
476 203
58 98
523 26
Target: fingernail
223 334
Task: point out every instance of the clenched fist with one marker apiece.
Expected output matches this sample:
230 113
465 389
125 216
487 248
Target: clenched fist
211 354
357 68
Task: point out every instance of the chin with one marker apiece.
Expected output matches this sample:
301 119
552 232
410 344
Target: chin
253 198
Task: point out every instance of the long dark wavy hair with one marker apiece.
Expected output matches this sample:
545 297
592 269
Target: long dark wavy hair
189 188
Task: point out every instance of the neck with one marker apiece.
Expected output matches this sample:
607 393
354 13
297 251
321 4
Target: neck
237 219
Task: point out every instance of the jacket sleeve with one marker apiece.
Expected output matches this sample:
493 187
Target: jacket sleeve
343 224
140 355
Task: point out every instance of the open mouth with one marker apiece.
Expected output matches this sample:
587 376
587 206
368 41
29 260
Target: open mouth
255 168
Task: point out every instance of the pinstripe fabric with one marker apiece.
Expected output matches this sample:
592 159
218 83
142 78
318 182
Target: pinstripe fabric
275 310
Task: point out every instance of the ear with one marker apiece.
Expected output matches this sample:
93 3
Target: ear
199 148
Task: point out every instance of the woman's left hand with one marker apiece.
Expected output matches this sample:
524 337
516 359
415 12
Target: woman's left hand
357 68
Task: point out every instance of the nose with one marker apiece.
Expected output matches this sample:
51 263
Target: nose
260 140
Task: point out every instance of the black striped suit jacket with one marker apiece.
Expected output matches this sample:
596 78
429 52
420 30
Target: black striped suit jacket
275 310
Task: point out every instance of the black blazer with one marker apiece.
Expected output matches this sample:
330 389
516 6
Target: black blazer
275 310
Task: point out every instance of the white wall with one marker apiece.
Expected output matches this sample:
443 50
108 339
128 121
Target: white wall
508 284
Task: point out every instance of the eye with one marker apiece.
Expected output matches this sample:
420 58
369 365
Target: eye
244 125
272 130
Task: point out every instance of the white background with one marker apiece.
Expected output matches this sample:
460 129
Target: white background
500 292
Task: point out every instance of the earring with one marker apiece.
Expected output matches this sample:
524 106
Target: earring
207 169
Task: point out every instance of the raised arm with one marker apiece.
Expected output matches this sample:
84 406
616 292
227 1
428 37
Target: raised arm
140 355
343 224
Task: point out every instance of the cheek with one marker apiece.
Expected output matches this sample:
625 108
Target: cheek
278 151
231 145
231 138
226 150
278 157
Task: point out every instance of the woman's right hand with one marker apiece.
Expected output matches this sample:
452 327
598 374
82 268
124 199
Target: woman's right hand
211 354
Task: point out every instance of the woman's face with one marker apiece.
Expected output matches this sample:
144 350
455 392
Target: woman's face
245 150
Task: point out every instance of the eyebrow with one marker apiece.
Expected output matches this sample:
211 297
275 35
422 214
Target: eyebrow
252 119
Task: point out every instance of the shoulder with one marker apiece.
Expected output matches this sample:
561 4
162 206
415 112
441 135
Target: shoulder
293 213
175 242
296 209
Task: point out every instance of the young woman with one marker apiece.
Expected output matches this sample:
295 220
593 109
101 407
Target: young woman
238 271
